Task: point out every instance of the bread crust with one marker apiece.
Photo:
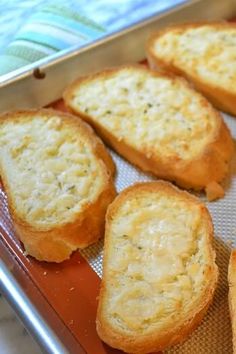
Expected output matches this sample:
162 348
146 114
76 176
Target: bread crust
232 294
55 244
210 165
176 332
221 98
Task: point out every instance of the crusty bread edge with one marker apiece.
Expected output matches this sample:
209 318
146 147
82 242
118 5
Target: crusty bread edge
221 98
211 165
56 244
175 334
232 295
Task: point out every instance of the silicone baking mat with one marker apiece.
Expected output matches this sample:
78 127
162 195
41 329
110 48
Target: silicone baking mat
71 288
214 334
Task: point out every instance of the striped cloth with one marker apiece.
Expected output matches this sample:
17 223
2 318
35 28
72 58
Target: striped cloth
49 30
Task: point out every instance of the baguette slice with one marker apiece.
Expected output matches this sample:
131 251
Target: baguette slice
159 271
232 295
204 53
58 179
158 122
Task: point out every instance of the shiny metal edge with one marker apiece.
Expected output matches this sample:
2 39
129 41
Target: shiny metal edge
28 313
12 76
26 90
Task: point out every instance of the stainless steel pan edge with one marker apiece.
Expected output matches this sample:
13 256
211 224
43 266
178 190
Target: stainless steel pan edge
31 306
26 90
28 313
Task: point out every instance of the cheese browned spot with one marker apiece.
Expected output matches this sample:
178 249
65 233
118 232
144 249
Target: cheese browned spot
204 53
159 271
207 51
157 261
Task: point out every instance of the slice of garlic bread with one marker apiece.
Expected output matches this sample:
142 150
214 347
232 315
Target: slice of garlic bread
232 295
204 53
58 179
158 122
159 271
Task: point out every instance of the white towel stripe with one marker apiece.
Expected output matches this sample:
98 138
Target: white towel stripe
32 45
65 36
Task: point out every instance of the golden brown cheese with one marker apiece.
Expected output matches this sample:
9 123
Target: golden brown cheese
204 53
57 176
159 271
157 122
51 173
132 101
157 261
207 51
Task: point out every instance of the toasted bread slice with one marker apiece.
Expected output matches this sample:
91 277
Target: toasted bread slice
158 122
232 295
159 271
58 179
204 53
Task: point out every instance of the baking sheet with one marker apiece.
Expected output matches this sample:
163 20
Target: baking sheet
66 294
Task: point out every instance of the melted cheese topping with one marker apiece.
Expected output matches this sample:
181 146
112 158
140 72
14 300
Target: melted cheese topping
157 258
207 52
50 169
158 115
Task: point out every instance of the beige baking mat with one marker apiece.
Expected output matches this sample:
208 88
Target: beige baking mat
213 336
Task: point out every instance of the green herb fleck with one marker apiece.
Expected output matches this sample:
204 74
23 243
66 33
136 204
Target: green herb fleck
71 188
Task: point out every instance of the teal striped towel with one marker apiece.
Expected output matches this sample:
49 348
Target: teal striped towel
47 31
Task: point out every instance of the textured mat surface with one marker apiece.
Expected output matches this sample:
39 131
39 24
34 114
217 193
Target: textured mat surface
213 336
